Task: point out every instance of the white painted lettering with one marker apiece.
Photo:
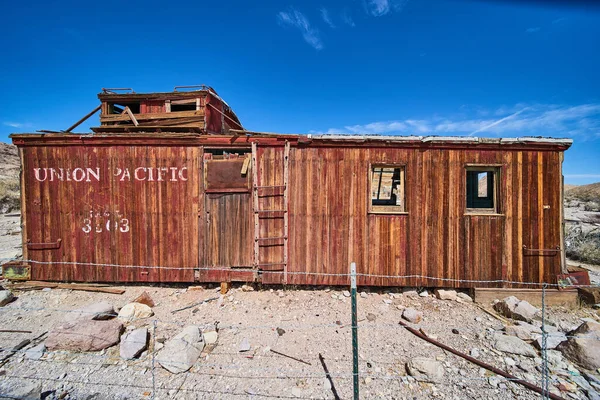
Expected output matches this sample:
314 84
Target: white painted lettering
38 177
137 171
126 175
181 176
58 174
78 175
94 173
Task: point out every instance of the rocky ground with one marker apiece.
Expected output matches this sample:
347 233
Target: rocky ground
251 324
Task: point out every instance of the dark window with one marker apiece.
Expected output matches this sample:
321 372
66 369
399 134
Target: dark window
481 188
387 189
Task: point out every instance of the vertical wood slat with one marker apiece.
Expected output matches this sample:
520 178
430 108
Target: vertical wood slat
255 184
286 174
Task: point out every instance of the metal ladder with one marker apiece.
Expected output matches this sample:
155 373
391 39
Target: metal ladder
260 215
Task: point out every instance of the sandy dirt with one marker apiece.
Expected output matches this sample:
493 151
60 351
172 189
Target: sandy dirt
314 321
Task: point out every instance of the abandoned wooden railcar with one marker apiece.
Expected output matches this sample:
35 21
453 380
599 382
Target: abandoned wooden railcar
155 204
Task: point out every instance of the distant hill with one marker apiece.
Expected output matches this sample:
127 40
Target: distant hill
589 192
569 187
10 166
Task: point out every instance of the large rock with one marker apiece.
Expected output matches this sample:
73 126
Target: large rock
22 389
513 345
144 298
96 311
134 311
412 315
445 294
134 343
514 308
84 335
552 340
523 330
35 353
590 295
6 297
182 351
464 297
583 345
425 369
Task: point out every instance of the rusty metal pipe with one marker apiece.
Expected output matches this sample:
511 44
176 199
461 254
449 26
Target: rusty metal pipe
495 370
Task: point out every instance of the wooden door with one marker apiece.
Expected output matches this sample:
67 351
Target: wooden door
229 233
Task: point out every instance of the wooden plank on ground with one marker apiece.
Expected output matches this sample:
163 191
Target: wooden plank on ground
36 285
554 297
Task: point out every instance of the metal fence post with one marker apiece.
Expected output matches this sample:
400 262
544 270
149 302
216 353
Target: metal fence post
153 360
545 374
354 330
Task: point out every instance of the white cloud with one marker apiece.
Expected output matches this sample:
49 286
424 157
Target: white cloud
326 17
533 30
379 8
347 18
581 121
296 19
594 176
17 125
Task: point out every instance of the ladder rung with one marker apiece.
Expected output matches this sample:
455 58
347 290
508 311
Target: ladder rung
272 238
259 211
267 264
275 186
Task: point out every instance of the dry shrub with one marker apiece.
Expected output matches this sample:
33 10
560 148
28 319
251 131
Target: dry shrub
10 195
583 246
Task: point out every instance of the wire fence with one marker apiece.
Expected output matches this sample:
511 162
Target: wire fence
301 371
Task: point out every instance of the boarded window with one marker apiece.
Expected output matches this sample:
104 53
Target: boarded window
387 189
481 188
227 175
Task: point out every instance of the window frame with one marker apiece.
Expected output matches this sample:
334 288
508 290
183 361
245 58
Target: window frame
387 209
480 168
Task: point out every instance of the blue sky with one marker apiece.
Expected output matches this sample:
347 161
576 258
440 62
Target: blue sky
494 69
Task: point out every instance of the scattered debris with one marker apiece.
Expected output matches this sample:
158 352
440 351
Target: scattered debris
210 337
293 358
280 331
425 369
412 315
220 298
244 345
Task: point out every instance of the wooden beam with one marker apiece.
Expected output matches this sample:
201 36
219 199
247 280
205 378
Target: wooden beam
82 120
131 116
35 285
554 297
152 116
